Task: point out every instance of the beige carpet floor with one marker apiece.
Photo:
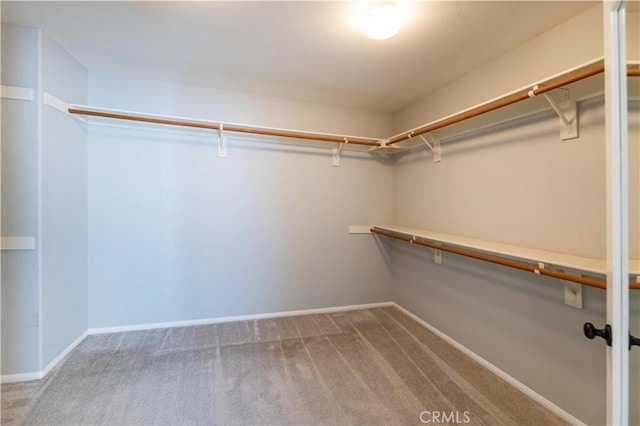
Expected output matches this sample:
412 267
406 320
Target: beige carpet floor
365 367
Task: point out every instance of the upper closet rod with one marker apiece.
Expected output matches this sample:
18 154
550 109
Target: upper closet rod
503 102
231 128
504 262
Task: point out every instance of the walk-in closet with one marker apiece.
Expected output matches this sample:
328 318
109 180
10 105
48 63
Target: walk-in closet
310 212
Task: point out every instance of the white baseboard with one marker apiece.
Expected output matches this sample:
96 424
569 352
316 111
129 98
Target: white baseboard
26 377
22 377
495 370
218 320
62 354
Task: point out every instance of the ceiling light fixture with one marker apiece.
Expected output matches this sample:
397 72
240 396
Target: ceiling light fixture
382 20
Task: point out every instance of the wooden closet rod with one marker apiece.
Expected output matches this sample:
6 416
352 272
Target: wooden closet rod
504 262
230 128
355 140
504 102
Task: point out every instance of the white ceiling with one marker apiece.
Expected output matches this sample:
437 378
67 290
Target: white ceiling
309 50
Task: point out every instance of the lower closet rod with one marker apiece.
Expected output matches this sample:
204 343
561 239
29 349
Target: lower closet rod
522 266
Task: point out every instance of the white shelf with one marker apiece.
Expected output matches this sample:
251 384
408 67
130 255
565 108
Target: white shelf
17 243
16 92
585 88
560 260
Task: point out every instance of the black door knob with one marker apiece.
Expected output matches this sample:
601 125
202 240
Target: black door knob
633 341
591 332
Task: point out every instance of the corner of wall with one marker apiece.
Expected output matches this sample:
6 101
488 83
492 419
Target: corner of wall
64 219
20 182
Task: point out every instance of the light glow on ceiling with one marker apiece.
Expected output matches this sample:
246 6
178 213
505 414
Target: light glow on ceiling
382 20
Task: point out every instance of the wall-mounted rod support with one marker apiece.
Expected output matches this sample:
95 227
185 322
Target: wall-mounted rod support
557 109
320 137
337 151
504 262
336 156
222 142
426 142
568 126
434 146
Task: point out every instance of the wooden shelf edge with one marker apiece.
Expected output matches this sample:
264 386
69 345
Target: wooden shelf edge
559 260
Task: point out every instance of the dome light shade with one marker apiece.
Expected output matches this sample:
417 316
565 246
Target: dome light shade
382 20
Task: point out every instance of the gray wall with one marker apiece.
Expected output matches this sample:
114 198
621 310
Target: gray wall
20 297
44 195
64 205
176 233
517 184
537 59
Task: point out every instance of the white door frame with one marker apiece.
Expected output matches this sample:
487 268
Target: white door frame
617 211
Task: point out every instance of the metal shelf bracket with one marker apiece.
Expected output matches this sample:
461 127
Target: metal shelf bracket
336 153
572 294
572 291
433 143
567 112
222 142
